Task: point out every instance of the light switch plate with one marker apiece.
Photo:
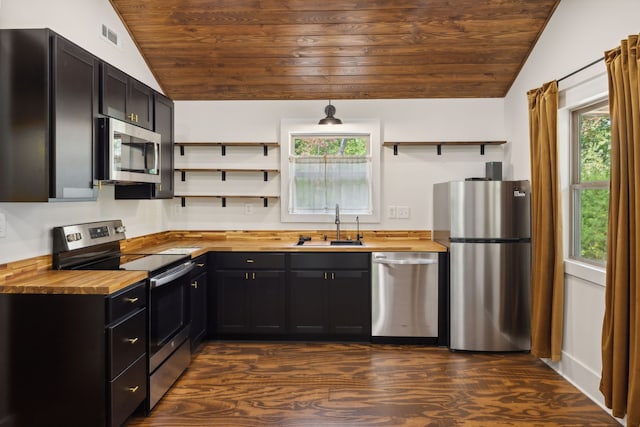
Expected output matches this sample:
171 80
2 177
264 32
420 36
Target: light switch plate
391 211
3 225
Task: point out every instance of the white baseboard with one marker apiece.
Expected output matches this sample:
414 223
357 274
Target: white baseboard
583 378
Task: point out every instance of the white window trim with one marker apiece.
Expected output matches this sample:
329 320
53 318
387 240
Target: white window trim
289 127
575 92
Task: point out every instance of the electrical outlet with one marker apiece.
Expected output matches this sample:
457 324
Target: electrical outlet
391 211
3 225
402 212
248 209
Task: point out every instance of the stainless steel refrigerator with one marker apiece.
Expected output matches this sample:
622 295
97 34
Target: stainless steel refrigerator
487 227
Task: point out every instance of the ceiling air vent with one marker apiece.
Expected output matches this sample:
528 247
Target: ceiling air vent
110 35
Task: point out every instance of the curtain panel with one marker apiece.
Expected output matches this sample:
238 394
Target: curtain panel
320 182
620 381
547 274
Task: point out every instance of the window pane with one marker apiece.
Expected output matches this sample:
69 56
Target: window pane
595 144
592 212
330 170
591 142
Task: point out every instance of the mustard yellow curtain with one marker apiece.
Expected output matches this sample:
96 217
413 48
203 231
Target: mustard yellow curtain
620 382
547 276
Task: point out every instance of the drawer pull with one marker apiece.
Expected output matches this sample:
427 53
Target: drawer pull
131 340
195 284
200 265
133 389
132 300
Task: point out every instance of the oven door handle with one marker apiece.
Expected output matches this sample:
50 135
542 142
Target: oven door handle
172 274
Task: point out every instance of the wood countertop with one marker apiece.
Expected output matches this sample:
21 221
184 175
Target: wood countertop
76 282
34 276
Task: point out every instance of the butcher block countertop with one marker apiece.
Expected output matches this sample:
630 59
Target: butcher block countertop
34 276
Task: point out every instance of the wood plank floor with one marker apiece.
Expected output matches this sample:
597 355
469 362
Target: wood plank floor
334 384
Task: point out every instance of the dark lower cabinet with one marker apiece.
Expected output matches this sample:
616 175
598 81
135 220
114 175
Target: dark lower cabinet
250 302
308 303
76 360
306 295
250 293
330 295
198 329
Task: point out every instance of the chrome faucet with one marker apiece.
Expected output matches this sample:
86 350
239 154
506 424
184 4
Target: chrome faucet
337 222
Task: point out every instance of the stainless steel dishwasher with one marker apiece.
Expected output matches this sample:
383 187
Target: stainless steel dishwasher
404 295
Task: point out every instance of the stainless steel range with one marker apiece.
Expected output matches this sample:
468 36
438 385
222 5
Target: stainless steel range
96 246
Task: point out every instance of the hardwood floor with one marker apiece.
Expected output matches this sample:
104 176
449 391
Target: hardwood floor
342 384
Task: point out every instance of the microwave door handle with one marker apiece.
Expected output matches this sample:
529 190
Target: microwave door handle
156 158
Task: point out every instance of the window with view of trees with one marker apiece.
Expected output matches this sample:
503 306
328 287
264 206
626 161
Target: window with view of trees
591 135
326 170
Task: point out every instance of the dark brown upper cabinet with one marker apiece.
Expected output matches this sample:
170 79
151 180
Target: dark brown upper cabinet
125 98
48 101
164 125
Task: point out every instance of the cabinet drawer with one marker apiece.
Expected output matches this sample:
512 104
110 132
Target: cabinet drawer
127 341
126 301
251 260
128 391
330 261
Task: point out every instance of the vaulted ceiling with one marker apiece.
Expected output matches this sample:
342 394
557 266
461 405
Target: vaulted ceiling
334 49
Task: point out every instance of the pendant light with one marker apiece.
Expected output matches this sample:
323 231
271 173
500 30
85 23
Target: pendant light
330 110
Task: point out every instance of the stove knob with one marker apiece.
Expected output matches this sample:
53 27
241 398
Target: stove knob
120 229
70 238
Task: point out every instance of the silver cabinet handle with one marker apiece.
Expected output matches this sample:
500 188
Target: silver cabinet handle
404 261
170 275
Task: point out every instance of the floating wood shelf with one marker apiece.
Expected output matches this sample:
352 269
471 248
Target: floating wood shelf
223 145
224 198
223 172
439 144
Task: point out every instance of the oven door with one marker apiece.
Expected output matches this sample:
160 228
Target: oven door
169 312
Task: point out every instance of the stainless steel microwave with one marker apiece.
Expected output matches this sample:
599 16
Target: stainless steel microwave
127 153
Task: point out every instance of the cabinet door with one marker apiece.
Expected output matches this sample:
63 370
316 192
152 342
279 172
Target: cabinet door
125 98
308 302
113 101
198 309
232 301
267 293
140 104
75 89
164 126
350 303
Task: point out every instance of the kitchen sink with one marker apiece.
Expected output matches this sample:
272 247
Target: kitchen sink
320 243
346 243
180 250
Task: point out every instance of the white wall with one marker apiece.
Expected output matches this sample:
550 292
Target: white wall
578 33
29 224
407 178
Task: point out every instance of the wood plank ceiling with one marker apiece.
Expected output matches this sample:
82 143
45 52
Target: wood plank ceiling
334 49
